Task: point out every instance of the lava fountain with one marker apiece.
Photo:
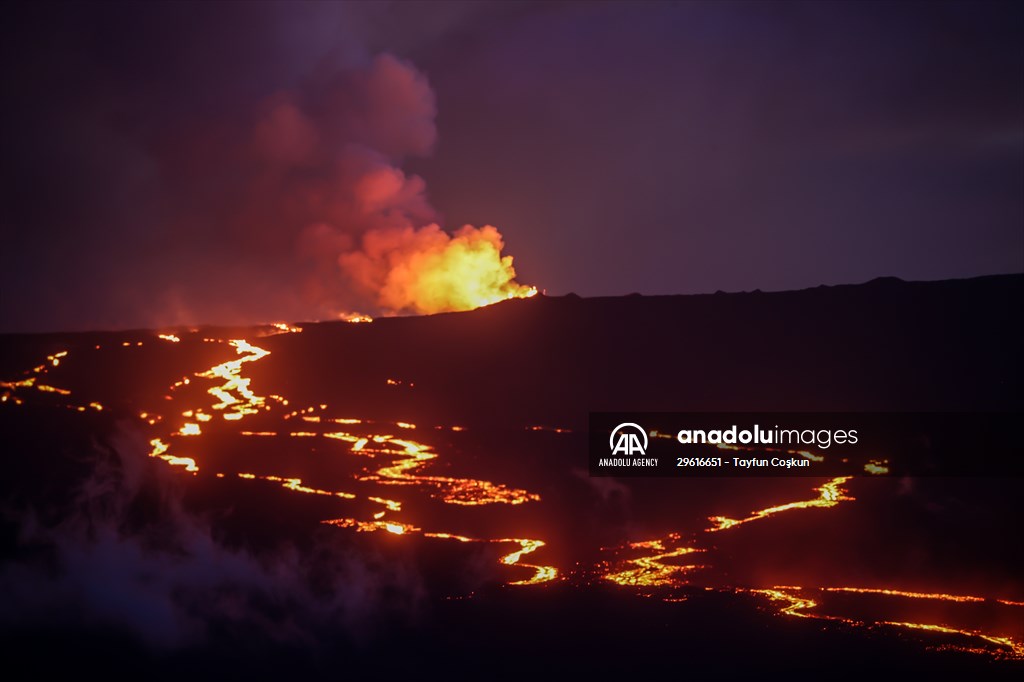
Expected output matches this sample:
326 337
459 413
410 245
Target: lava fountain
427 270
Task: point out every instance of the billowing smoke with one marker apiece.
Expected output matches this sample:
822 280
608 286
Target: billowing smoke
127 556
329 156
427 270
246 171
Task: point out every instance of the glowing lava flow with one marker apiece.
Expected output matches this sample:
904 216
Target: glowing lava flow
1008 646
393 527
159 450
234 393
793 605
10 388
383 455
295 484
413 455
831 494
542 574
910 595
237 400
652 570
800 606
30 382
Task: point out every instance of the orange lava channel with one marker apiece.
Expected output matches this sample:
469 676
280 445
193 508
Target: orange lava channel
829 495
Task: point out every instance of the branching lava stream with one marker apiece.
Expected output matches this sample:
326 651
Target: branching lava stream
394 468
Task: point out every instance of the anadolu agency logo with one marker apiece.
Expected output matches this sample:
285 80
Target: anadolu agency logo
626 440
628 445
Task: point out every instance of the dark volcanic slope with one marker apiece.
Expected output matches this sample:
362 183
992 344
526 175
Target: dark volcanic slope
887 344
884 345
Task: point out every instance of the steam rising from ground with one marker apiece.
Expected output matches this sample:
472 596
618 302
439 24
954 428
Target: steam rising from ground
127 556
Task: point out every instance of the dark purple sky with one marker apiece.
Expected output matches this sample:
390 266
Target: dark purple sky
175 162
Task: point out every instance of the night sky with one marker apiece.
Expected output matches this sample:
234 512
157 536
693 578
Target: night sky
173 163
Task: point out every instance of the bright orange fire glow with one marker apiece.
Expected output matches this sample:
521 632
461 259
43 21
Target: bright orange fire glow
427 270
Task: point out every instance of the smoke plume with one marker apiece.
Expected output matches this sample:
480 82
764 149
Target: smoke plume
328 156
247 174
426 270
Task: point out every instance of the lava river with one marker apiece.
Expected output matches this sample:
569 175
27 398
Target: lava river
390 469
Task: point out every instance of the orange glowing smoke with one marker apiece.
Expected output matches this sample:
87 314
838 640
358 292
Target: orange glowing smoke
426 270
